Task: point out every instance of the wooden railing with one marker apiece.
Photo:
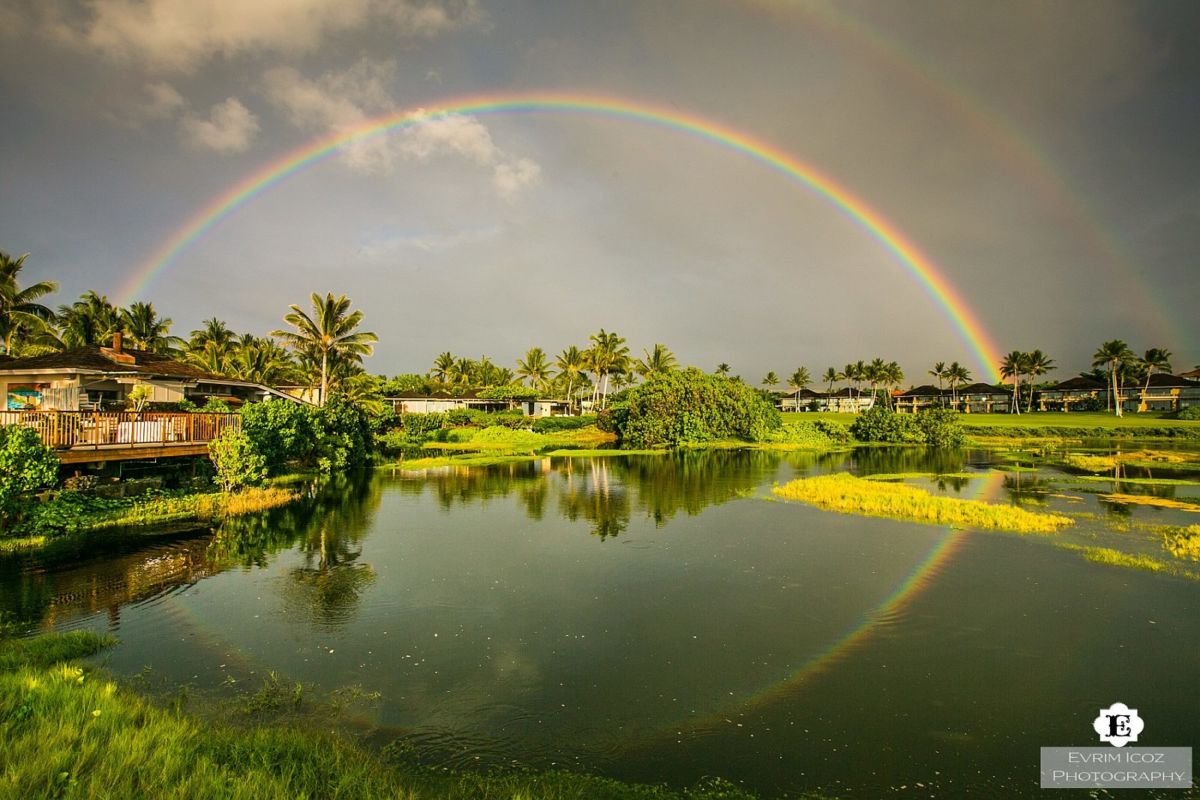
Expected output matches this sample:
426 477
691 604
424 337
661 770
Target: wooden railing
73 430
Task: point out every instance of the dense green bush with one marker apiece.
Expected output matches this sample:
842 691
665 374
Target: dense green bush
418 426
936 427
941 427
687 406
510 391
880 424
26 465
550 424
282 431
344 438
215 405
1191 412
237 461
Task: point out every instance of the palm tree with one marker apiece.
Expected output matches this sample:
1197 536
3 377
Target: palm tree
260 361
873 373
770 379
939 372
831 377
212 357
534 367
90 320
1156 358
20 313
1013 366
570 364
147 330
214 330
1036 364
722 368
442 366
1113 355
462 371
892 376
956 375
607 355
800 378
659 361
331 329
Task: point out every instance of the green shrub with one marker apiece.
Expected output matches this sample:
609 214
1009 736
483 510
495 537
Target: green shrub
344 439
26 465
686 406
237 461
1191 412
511 391
880 424
550 424
941 427
282 431
417 427
216 405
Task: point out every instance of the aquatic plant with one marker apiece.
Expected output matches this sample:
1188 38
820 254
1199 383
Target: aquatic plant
848 494
1183 542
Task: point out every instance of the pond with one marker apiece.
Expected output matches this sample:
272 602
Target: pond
659 619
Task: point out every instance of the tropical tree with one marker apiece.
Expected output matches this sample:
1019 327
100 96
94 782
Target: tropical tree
90 320
800 379
20 313
147 330
1112 356
658 361
213 330
534 367
831 377
892 376
956 375
939 372
442 365
723 368
260 361
608 355
1036 364
570 364
1013 367
331 329
1156 358
770 379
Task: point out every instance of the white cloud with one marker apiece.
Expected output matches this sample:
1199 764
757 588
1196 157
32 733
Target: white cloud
181 34
156 102
341 102
427 242
229 128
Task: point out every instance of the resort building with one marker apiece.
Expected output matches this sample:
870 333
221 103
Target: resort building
843 401
1072 393
441 402
1164 393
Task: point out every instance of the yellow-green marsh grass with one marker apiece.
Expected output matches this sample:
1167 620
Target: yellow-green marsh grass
851 495
1183 542
1116 558
1150 500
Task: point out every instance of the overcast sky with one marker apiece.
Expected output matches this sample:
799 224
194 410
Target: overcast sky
1043 155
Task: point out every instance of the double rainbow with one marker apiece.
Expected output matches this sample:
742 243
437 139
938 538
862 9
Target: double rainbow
905 252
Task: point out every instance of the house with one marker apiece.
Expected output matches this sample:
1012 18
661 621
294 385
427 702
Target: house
102 378
1164 393
921 397
469 399
983 398
1072 392
843 401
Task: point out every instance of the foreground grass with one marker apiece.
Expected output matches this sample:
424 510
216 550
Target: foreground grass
1076 425
1116 558
851 495
72 515
69 731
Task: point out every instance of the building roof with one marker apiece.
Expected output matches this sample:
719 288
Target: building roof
1161 380
804 393
104 359
983 388
1080 383
1193 375
926 390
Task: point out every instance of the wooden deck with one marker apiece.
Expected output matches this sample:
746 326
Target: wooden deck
80 437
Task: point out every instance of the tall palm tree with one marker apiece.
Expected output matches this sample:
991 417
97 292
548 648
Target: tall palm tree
212 357
90 320
956 375
534 367
20 313
147 330
261 361
462 372
770 379
213 330
570 364
892 376
939 372
1013 366
332 328
656 362
1156 358
800 379
831 377
873 373
1113 355
1036 365
442 366
722 368
607 355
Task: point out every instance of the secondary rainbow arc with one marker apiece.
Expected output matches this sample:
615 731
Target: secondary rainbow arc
904 251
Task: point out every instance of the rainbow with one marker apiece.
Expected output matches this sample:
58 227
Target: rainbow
905 252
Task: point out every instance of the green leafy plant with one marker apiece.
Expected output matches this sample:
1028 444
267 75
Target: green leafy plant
237 461
26 465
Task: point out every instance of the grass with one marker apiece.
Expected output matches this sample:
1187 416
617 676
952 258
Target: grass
902 476
1150 500
507 440
1183 542
69 730
1116 558
848 494
1131 481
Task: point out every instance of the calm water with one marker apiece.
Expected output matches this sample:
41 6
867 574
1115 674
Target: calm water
655 619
